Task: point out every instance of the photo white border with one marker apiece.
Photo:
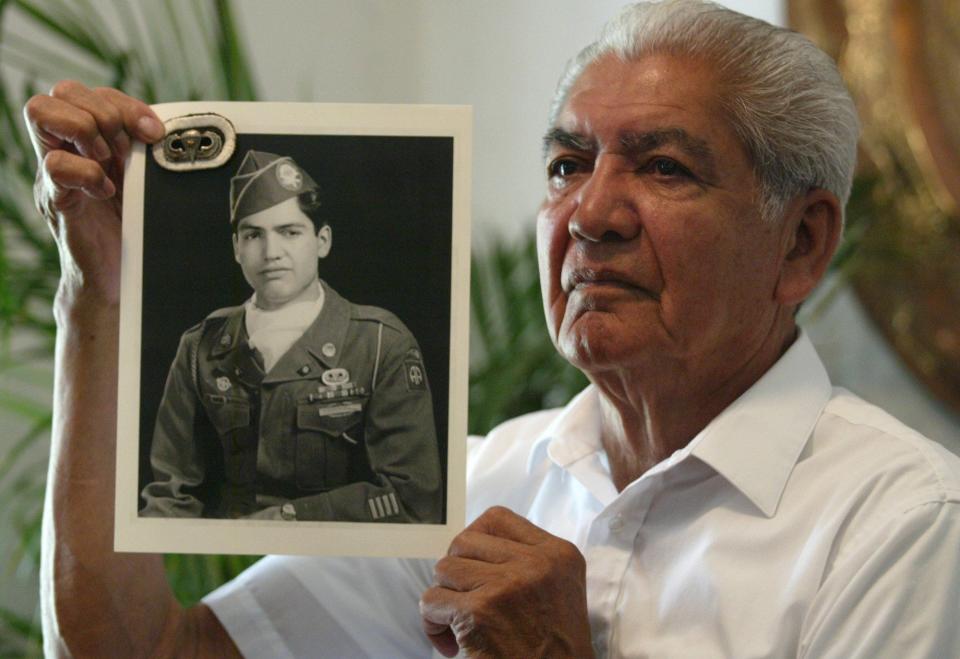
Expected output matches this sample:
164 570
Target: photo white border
219 536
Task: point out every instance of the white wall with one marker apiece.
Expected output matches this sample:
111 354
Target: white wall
503 57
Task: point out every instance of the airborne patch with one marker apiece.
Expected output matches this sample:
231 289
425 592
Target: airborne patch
413 369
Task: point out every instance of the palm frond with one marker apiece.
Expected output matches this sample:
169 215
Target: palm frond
130 49
514 367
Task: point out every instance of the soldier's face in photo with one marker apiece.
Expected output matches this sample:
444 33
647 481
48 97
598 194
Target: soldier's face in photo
277 249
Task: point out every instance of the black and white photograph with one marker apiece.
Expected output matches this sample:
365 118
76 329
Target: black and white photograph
288 330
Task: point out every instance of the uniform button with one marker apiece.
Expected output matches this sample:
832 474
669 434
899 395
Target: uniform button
616 523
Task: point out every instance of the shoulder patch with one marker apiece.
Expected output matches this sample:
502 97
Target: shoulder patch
416 375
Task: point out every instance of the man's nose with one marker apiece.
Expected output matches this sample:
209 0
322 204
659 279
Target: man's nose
605 210
271 247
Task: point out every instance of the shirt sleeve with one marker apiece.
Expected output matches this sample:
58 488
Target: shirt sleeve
895 593
177 461
287 606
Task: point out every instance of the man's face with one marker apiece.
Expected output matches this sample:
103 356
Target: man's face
277 250
652 250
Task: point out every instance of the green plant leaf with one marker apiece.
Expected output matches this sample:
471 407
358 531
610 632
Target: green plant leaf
21 637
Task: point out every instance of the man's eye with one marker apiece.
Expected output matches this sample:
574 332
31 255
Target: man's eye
563 167
250 236
669 168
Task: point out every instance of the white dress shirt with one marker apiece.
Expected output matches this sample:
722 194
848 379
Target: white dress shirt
801 522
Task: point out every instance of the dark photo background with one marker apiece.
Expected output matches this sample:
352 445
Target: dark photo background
389 201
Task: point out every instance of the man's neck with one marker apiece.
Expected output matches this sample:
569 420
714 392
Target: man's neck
311 293
646 417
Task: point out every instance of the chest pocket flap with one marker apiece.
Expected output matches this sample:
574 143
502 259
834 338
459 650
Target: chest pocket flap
331 418
227 414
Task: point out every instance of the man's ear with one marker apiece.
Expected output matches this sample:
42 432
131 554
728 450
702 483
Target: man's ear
324 241
813 224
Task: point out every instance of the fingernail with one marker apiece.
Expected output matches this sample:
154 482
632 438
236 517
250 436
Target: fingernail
108 188
150 128
100 149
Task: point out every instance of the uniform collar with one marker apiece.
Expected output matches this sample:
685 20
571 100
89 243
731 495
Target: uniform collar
231 335
319 348
753 444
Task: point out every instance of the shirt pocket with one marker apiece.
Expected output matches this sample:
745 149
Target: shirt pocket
230 417
329 444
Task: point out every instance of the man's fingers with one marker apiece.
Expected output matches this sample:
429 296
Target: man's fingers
63 172
94 123
461 574
504 523
437 613
106 116
56 124
139 121
484 547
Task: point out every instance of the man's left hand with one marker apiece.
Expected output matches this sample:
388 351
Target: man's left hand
507 588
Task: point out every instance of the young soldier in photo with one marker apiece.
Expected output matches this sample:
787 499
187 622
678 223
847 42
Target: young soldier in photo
296 405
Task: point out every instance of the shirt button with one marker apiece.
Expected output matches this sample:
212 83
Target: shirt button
616 523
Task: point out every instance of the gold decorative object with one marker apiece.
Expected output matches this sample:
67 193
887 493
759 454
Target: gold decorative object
901 59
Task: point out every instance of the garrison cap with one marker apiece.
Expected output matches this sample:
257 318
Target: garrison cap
265 180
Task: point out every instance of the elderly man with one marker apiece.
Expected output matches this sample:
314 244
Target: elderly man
297 405
709 495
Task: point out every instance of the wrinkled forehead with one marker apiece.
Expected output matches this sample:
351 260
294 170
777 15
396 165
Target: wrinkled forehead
658 95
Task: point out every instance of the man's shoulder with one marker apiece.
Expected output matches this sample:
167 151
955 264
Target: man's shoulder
365 317
223 313
508 447
531 425
367 314
882 457
879 430
216 317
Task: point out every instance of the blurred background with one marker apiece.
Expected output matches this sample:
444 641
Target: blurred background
887 320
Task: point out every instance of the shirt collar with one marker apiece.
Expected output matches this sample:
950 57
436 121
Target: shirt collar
753 444
756 442
573 434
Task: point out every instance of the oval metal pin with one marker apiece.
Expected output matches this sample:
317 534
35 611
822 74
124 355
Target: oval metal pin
196 141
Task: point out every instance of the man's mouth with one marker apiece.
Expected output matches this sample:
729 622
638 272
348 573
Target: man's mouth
586 279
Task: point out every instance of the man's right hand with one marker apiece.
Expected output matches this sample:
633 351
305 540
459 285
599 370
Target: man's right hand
81 137
96 602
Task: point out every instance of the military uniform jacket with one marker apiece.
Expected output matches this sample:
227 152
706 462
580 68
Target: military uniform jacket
342 425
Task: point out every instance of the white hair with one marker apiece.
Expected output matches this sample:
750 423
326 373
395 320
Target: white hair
783 95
